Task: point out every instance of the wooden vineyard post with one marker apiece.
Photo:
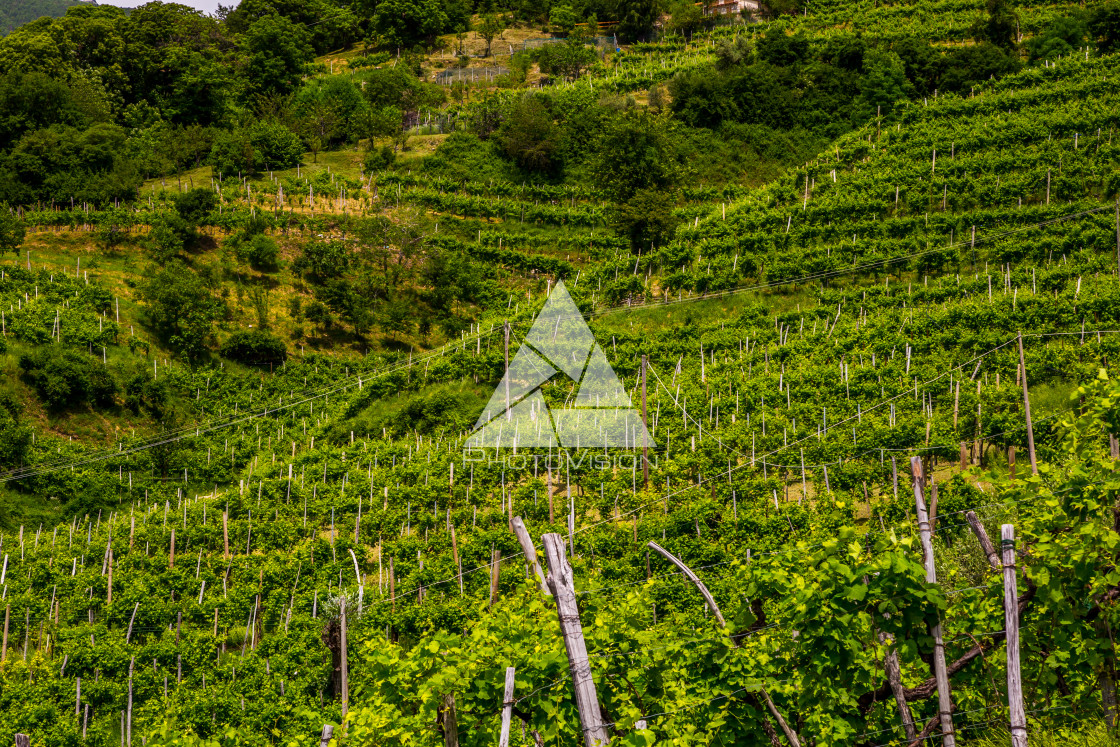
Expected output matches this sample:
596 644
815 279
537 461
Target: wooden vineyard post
128 722
530 551
171 559
894 677
128 636
562 582
345 668
1027 408
944 699
455 558
495 574
982 537
22 740
4 645
327 735
645 428
450 722
505 330
225 534
1011 625
507 708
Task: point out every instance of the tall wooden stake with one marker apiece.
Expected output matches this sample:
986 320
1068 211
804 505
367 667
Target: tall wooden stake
1027 408
562 582
530 551
1011 625
645 427
507 708
505 329
345 668
450 722
944 699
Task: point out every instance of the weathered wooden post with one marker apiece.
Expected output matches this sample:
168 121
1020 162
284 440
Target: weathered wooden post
645 428
948 739
529 549
450 722
345 668
22 740
507 708
562 583
1027 408
1011 625
328 734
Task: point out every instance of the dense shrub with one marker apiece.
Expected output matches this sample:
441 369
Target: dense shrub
254 348
66 379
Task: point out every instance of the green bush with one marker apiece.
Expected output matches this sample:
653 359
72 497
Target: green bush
261 252
255 348
379 159
66 379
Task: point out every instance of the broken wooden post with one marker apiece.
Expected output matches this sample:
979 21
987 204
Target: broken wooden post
530 551
944 700
694 579
1011 625
1027 409
982 537
327 736
562 582
22 740
507 708
791 735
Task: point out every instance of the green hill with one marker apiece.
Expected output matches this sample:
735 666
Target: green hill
250 321
16 13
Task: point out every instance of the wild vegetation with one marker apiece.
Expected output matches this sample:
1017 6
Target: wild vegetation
256 269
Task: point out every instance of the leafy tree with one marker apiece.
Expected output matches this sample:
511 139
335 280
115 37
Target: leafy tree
260 252
884 83
15 437
66 379
396 318
782 49
636 18
489 28
686 18
646 219
404 23
255 348
1060 38
169 236
733 52
635 153
568 59
196 204
562 18
12 230
967 66
180 309
921 62
1104 25
323 260
1000 26
530 136
276 53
